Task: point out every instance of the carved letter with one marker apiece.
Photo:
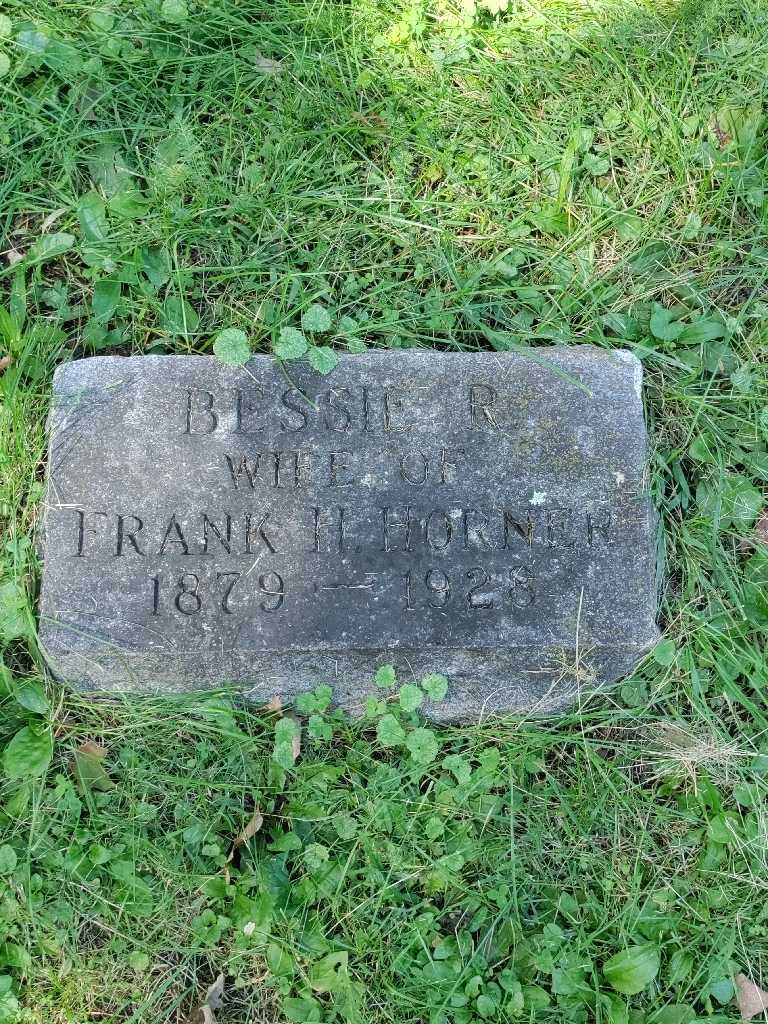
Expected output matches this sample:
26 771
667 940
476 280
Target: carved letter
340 464
294 473
446 464
393 402
226 542
244 409
337 526
559 523
513 524
366 409
290 400
250 469
414 467
341 422
250 530
481 398
200 405
599 522
129 535
397 524
439 543
81 530
178 539
473 533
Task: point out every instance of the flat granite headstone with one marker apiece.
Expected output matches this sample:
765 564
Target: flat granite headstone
481 515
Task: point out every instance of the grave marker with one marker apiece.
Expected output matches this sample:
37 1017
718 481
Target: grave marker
482 515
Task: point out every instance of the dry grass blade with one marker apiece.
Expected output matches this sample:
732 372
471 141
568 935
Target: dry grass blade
214 998
250 830
215 995
51 219
296 741
677 751
90 772
92 749
750 998
267 66
761 527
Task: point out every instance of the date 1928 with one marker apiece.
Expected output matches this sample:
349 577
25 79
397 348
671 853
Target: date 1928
476 588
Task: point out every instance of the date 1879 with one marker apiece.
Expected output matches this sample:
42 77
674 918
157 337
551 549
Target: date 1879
186 596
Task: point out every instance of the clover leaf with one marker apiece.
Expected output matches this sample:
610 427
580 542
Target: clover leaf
389 732
322 358
422 745
411 697
316 319
435 686
291 344
231 347
385 676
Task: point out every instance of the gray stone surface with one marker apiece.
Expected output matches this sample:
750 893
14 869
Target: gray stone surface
496 525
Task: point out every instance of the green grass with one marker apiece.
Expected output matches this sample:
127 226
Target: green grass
565 173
